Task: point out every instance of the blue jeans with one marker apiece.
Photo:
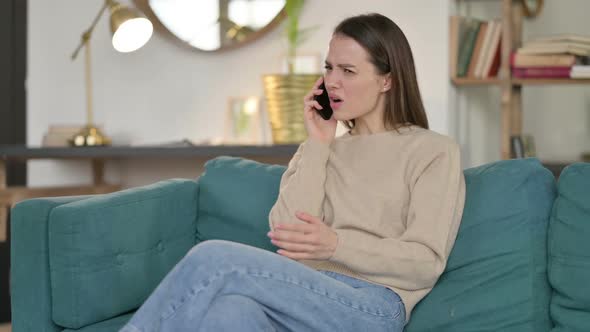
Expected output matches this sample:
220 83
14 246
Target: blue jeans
228 286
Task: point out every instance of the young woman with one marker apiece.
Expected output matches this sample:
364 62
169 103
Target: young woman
365 222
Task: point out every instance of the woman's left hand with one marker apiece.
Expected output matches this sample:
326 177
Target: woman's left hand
312 240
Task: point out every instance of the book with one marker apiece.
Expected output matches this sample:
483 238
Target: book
555 48
580 71
456 28
516 147
478 49
466 45
548 60
59 135
495 66
485 49
547 72
491 63
564 37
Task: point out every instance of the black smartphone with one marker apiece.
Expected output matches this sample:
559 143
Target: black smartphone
324 101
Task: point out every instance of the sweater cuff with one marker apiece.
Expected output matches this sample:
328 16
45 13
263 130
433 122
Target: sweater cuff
343 251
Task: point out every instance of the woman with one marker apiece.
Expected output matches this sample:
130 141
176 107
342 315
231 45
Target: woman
365 222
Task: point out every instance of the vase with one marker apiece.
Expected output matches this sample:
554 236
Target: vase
284 102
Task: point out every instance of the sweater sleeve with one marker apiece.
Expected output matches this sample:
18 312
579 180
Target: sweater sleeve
302 184
416 259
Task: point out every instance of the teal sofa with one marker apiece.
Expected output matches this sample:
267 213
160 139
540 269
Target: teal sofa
521 261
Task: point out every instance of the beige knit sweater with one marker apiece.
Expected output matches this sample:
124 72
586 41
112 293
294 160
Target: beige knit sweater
394 198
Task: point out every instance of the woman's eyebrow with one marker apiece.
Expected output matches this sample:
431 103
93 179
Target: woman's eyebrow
342 65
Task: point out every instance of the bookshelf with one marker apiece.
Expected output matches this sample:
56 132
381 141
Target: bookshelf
511 88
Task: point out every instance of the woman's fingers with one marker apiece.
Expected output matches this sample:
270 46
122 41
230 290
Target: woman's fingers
293 247
318 82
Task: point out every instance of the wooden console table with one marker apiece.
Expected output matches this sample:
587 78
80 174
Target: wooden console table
98 155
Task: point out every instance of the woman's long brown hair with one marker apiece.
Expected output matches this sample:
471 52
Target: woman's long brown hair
390 53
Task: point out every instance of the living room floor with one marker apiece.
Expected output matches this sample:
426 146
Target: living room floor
4 327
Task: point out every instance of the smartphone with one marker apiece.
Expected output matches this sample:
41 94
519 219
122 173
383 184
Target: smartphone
324 101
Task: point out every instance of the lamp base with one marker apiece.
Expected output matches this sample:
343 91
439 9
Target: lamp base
89 136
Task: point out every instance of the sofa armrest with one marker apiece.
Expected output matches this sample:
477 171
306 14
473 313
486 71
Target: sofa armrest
109 252
29 256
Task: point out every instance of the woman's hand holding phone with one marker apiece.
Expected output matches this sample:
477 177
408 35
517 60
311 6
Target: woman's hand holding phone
317 128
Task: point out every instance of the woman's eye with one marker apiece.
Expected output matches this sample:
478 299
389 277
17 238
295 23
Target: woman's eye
327 68
348 71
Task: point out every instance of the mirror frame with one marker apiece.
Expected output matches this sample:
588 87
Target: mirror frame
532 11
145 7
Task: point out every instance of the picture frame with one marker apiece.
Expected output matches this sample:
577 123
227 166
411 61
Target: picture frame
243 123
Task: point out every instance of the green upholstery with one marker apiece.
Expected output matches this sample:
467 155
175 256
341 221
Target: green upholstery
235 198
107 253
29 271
495 279
569 251
113 325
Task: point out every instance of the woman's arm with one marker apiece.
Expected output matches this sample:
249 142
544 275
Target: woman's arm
302 184
416 259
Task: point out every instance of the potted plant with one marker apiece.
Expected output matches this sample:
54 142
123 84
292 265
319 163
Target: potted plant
284 92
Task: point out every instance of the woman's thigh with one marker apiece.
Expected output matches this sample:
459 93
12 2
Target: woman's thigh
294 296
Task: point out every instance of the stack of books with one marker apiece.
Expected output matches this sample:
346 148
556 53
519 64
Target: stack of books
59 135
475 47
563 56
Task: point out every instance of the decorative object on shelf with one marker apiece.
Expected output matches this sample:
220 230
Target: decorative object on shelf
130 32
532 8
516 147
284 92
212 26
244 122
522 146
528 142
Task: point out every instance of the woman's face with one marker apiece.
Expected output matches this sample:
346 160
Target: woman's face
356 90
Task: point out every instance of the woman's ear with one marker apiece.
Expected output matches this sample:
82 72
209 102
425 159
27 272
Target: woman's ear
386 82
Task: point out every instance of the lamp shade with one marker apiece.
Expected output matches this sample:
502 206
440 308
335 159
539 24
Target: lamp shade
130 30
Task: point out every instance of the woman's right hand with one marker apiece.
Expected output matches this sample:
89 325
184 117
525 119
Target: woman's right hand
317 128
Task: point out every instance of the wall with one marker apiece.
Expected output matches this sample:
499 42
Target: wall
163 92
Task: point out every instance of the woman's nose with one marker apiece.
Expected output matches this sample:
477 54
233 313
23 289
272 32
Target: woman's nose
330 81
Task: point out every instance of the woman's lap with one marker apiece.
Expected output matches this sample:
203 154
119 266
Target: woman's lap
293 296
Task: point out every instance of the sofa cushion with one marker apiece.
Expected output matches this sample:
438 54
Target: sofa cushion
110 325
495 278
235 197
107 253
569 251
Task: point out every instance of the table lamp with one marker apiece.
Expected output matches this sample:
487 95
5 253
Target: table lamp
130 31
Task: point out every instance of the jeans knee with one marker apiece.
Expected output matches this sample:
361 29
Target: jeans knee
210 251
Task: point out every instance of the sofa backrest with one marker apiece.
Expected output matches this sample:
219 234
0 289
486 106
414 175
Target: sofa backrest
235 197
569 251
496 277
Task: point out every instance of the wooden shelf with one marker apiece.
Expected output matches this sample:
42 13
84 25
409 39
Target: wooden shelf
466 81
548 81
475 81
511 121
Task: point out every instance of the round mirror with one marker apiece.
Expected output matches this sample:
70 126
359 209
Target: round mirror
213 25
